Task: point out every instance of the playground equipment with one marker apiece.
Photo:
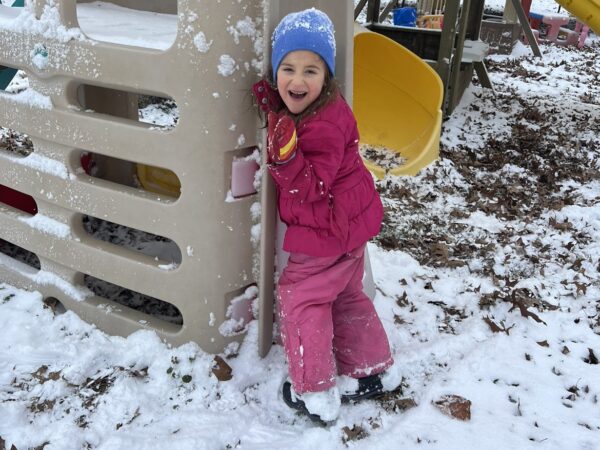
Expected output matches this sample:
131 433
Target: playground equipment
82 101
518 18
587 11
454 52
556 29
553 22
397 102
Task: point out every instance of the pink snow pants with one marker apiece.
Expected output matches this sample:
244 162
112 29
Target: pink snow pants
328 325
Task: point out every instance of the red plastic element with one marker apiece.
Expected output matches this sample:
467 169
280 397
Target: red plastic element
87 162
18 200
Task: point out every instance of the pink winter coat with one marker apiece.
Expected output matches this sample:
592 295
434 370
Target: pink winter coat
327 197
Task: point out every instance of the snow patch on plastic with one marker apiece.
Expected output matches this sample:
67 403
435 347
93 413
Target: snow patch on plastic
47 26
29 97
42 163
227 66
239 313
47 225
201 43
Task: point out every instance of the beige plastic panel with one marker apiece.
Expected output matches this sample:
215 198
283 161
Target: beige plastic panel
212 234
218 259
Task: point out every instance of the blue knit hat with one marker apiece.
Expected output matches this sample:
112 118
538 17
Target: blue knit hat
310 29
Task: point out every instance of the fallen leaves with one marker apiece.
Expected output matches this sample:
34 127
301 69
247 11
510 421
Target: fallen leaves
221 369
3 445
382 157
592 358
355 433
15 142
523 176
497 328
525 312
565 225
42 375
394 401
397 404
86 394
454 406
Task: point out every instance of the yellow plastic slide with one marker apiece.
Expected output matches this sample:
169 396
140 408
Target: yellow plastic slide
397 102
588 11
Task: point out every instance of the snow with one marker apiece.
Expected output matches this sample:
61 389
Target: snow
48 278
47 225
481 220
41 163
325 404
165 115
201 43
101 21
29 97
48 26
39 56
107 22
239 313
251 29
489 298
227 65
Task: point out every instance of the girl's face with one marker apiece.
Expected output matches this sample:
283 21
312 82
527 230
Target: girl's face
300 79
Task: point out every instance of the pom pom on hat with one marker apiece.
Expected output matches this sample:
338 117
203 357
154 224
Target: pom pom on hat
310 29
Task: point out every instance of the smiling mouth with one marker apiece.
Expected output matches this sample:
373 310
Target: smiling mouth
297 95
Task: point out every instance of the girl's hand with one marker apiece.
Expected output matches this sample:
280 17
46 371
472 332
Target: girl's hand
267 98
281 138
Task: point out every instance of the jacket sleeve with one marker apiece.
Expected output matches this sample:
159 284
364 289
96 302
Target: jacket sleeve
309 175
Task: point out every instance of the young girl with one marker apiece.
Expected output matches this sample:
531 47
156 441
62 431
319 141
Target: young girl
328 201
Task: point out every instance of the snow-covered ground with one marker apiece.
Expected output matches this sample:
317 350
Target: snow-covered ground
487 273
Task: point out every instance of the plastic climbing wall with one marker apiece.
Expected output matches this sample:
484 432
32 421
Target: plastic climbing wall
82 100
133 224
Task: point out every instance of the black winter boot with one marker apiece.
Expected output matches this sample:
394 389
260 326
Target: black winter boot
296 403
368 387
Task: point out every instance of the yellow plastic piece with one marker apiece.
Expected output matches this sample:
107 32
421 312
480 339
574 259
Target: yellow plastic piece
160 181
588 11
397 102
